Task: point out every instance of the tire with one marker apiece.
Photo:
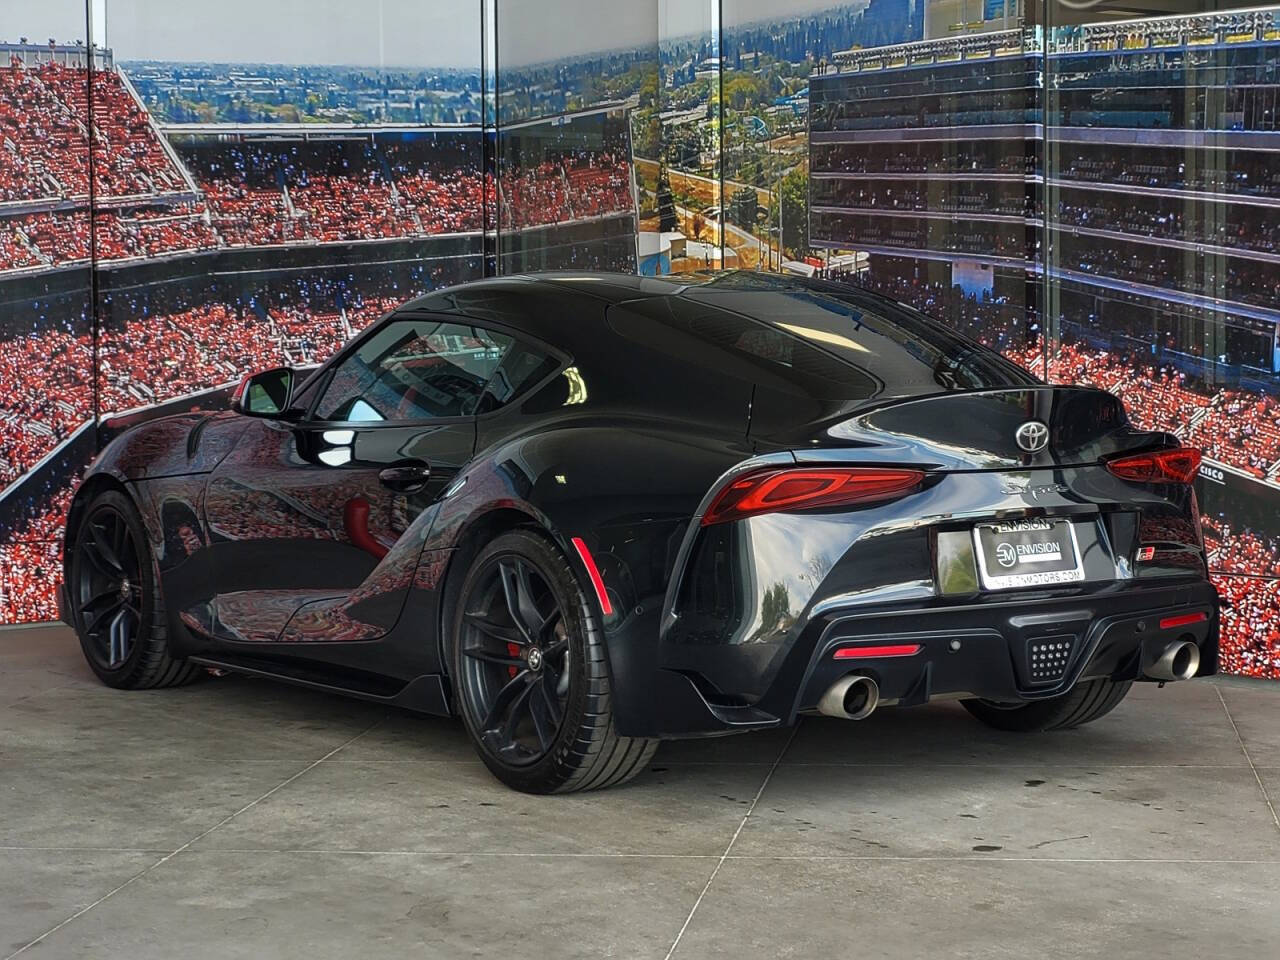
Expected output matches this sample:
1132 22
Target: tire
124 635
1085 702
567 742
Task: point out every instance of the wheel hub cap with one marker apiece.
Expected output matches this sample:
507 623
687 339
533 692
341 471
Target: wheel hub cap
535 658
125 588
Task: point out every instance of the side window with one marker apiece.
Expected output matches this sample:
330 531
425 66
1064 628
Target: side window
414 369
522 367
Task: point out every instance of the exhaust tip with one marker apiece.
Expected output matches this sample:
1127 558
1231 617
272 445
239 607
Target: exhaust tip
1178 661
852 697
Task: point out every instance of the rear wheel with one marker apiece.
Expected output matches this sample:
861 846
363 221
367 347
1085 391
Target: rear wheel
528 665
117 608
1085 702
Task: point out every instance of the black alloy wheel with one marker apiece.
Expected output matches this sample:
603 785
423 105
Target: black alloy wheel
515 661
530 674
116 606
108 587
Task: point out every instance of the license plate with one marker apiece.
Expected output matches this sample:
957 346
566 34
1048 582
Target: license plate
1027 553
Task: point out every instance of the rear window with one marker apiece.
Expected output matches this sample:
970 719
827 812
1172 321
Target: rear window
726 342
854 337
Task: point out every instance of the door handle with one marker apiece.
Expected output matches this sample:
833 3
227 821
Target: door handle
407 476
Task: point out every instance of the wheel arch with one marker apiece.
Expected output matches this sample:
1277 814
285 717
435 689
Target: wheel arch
479 530
84 495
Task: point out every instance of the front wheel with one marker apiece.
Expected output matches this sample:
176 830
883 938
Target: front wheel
528 666
116 605
1086 701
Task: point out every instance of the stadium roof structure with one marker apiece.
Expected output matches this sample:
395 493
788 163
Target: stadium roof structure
923 53
607 106
1165 34
307 130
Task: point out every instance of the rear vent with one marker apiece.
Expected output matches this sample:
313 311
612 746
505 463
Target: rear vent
1048 658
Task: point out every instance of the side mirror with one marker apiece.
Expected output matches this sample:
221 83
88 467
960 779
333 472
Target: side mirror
265 394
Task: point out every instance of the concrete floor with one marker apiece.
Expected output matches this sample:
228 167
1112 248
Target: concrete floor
241 818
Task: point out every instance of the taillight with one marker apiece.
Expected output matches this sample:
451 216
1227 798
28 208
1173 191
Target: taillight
802 488
877 651
1175 465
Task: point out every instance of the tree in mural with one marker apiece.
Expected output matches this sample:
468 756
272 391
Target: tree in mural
666 205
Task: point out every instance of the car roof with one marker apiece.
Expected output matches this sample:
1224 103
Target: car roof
867 335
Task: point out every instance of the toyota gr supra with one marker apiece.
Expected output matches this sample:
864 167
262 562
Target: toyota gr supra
586 513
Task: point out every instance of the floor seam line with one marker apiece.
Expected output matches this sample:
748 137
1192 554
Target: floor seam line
732 840
1245 750
71 682
196 839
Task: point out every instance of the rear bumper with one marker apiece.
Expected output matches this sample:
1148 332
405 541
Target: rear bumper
1010 648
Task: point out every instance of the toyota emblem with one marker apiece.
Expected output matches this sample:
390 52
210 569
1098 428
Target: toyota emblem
1032 436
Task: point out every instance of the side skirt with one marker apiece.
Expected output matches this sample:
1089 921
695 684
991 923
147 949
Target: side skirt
423 694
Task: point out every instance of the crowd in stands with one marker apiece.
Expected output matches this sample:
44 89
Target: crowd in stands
47 390
1250 626
29 574
1239 172
1245 281
1245 227
187 339
1250 615
977 157
975 238
444 193
56 239
1240 428
256 193
265 193
30 540
1244 172
44 127
971 199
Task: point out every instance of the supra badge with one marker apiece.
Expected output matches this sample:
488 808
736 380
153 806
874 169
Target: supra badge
1032 436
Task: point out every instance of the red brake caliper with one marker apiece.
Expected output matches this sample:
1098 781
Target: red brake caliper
513 649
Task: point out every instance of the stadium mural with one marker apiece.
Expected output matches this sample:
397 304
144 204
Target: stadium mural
181 203
1092 192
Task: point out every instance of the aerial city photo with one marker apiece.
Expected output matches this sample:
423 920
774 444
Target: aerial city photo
1093 195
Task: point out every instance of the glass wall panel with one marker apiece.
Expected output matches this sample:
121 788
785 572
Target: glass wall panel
923 167
46 331
257 196
292 185
574 106
1162 203
770 51
690 201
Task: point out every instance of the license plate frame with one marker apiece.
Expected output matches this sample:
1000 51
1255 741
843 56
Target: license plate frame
1035 537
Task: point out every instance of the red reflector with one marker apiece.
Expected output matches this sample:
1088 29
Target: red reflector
594 573
772 490
883 650
1182 619
1176 465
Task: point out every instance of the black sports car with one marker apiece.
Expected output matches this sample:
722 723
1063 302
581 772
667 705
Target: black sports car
589 512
